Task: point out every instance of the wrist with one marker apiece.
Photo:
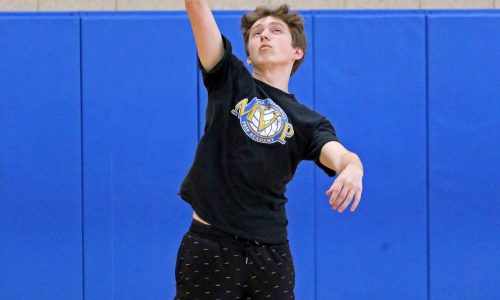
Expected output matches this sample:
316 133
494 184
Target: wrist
351 160
355 166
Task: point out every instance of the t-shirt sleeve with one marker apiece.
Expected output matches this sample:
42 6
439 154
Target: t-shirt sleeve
322 134
223 70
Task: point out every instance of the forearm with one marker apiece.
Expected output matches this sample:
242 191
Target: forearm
206 33
336 157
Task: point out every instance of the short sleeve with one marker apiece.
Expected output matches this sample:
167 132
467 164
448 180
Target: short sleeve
223 70
322 134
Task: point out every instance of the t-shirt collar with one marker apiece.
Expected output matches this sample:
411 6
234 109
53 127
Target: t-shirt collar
276 90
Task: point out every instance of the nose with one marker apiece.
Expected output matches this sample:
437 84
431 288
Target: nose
264 35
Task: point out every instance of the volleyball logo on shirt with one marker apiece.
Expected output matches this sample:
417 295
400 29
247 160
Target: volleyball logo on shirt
263 120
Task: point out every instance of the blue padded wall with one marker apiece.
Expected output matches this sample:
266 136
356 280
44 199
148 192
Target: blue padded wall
100 114
40 159
464 143
370 82
140 129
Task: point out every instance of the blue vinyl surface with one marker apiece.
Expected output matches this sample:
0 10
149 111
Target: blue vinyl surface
371 84
140 124
464 151
40 159
100 115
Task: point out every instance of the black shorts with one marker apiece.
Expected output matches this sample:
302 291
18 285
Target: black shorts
215 265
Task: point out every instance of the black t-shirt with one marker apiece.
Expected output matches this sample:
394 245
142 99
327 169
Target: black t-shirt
255 136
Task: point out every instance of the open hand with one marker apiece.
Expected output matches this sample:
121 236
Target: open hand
347 185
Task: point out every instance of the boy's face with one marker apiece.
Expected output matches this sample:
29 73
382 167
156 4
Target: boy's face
270 43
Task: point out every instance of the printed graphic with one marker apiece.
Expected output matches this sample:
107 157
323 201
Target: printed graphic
263 120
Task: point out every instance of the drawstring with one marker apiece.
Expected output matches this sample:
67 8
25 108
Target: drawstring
246 245
250 242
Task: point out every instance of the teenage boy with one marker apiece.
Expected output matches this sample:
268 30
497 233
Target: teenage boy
256 133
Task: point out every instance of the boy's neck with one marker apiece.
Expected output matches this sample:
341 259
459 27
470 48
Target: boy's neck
276 78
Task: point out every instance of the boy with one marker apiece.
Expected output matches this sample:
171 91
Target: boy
256 133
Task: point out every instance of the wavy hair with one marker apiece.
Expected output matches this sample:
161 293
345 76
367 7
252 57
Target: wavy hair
294 22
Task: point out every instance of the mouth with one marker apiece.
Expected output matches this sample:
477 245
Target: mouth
265 47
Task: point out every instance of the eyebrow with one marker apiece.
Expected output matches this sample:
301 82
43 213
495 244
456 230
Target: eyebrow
260 25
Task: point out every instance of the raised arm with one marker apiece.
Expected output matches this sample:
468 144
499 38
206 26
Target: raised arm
206 33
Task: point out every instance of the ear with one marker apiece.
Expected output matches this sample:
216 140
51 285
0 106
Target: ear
299 53
249 61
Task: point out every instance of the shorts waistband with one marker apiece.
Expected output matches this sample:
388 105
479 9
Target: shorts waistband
203 229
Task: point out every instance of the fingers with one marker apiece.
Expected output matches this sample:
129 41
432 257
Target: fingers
330 190
356 201
342 196
336 201
342 192
334 191
347 201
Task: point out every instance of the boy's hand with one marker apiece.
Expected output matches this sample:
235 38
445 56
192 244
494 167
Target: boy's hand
346 185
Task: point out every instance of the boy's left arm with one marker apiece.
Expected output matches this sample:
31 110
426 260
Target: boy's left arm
349 181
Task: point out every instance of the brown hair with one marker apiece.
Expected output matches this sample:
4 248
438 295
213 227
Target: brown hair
294 22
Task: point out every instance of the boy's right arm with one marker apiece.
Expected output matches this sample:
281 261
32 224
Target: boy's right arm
207 36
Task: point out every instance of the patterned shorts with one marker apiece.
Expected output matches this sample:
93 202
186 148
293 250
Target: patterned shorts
214 265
